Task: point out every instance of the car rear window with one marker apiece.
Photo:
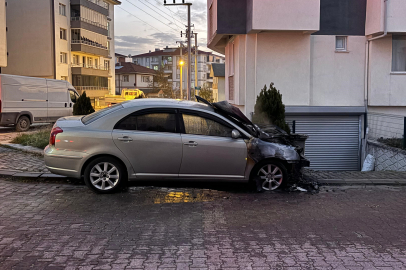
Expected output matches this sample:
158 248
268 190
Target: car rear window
99 114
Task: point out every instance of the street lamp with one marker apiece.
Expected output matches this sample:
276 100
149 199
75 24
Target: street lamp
181 63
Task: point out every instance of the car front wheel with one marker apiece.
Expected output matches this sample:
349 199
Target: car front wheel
105 175
271 175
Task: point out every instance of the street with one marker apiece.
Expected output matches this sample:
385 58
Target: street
198 226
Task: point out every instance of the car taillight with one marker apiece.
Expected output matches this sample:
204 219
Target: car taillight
54 132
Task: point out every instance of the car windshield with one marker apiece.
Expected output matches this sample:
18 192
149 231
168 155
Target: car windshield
96 115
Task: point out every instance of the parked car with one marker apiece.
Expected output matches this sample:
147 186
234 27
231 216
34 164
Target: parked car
27 100
168 139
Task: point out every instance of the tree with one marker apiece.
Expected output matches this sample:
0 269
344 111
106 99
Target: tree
269 108
206 93
83 105
160 82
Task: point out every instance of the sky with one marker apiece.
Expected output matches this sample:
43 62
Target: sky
143 25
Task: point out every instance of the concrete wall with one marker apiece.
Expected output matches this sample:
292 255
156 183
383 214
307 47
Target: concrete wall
3 36
375 17
285 15
337 78
62 69
142 84
396 16
112 50
29 39
386 88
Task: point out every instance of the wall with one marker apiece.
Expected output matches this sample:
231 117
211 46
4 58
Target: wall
396 16
122 85
221 89
140 83
374 18
337 78
385 87
3 37
31 21
112 84
284 15
387 158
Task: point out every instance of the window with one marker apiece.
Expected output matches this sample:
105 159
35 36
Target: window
89 62
106 64
96 63
64 58
158 122
126 78
108 29
145 79
203 126
399 53
76 59
156 67
177 76
154 59
62 9
62 33
64 78
341 43
99 114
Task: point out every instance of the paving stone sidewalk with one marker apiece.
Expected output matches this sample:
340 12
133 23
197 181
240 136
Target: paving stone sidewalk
11 159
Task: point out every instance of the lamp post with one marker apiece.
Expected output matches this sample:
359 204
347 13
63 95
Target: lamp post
181 63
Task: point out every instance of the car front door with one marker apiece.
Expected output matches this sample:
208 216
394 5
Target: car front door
209 151
151 141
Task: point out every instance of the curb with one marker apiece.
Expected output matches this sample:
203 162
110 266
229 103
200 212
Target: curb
36 175
24 148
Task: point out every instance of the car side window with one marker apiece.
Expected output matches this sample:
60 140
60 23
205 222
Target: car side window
198 125
158 122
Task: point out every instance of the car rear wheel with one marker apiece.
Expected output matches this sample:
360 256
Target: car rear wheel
271 175
105 175
23 124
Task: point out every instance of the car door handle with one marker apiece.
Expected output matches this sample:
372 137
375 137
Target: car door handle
124 139
191 144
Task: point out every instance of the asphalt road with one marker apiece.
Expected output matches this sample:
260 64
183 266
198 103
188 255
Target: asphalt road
184 226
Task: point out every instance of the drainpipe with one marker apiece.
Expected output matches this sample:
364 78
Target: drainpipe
385 33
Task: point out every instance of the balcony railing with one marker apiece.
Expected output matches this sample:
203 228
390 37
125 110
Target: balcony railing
89 22
89 42
90 88
83 65
100 3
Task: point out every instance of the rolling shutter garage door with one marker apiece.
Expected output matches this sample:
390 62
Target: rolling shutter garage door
333 143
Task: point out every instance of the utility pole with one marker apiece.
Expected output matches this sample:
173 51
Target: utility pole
189 49
196 53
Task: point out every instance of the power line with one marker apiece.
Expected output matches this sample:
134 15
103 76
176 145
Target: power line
171 10
142 20
152 16
169 15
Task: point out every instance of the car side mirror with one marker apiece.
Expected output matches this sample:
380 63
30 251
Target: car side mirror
235 134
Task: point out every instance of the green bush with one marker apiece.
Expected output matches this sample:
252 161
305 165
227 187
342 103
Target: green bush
38 139
269 108
83 105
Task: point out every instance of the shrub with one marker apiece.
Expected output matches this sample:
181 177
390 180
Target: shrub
83 105
269 108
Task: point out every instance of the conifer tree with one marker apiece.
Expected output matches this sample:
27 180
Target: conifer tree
83 105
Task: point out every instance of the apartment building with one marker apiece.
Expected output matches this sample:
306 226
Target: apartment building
69 40
333 61
3 37
169 59
132 76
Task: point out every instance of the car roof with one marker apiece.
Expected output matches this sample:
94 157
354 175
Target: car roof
165 102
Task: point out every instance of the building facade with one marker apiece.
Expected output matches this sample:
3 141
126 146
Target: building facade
168 59
218 72
132 76
69 40
332 61
3 35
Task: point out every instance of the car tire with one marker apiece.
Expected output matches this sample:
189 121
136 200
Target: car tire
23 124
105 175
270 175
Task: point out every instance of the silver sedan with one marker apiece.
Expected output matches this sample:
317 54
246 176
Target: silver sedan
167 140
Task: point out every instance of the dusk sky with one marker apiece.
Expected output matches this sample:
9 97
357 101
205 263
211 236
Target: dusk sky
143 25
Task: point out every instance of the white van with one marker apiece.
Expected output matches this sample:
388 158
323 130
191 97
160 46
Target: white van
26 100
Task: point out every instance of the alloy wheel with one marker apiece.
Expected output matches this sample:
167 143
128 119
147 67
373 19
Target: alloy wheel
104 176
271 175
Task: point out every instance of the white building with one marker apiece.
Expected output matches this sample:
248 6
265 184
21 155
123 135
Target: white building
169 59
69 40
321 56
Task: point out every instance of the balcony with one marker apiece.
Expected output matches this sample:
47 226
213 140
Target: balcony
80 22
88 46
93 91
396 20
101 8
91 70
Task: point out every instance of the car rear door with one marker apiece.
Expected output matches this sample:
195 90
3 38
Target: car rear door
151 140
209 151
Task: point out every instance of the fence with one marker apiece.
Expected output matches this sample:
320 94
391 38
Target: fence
387 128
